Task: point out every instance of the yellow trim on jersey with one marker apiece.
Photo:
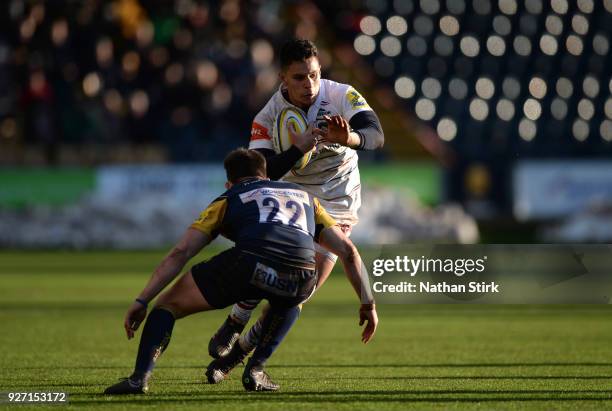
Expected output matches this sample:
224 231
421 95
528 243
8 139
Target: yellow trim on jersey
321 216
210 219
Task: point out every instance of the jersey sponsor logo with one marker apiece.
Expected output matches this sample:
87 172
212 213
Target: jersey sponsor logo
267 278
259 132
355 99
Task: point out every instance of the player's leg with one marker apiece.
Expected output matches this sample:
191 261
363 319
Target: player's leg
276 326
226 336
182 299
325 263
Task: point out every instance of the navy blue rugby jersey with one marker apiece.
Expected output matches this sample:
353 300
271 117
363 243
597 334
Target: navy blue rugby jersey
276 220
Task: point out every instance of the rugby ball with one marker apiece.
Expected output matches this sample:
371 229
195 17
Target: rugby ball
289 116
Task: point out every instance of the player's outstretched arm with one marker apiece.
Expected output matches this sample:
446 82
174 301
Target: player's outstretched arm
189 245
333 239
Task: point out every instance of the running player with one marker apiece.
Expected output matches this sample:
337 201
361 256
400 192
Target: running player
341 123
273 225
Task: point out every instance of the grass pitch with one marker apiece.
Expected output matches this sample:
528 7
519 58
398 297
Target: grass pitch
61 330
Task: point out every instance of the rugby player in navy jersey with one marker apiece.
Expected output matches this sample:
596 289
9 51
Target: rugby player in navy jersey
341 123
274 226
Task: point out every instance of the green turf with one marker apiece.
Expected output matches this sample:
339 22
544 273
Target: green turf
61 330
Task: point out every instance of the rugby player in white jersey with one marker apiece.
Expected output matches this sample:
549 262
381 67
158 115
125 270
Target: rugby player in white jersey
340 123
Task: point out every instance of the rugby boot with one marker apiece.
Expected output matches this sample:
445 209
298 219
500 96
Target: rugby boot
255 378
220 368
128 386
224 339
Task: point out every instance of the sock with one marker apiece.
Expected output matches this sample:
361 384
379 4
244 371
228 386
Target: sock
248 341
242 311
275 327
153 341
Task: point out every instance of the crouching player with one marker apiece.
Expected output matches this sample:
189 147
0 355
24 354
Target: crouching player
273 225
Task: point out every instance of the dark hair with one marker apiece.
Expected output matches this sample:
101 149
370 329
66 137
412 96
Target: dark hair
244 163
297 50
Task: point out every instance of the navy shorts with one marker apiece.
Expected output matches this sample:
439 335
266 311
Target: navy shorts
233 276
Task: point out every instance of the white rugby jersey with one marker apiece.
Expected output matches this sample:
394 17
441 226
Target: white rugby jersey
332 174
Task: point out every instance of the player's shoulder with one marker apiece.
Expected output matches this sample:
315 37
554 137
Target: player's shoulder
341 94
335 89
274 104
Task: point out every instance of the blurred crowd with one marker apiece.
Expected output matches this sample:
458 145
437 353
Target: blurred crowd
184 74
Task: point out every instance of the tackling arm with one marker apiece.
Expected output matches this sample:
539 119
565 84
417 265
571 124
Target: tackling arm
333 239
189 245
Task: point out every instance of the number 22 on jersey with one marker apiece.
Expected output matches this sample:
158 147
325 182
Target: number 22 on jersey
283 206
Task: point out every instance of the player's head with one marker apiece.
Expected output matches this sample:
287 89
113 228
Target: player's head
300 71
242 163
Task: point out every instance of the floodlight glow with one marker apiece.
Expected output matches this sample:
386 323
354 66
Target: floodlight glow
580 24
554 24
565 88
605 130
458 89
586 6
479 109
574 45
558 108
527 129
586 109
482 6
447 129
601 45
425 109
537 87
522 45
511 88
534 6
431 88
505 109
590 86
449 25
485 88
469 46
580 129
548 45
403 7
364 45
390 46
370 25
502 25
416 46
443 45
423 25
559 6
507 6
405 87
397 25
532 109
608 108
496 46
455 6
430 6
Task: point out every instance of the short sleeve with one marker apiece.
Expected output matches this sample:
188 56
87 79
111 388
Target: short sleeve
353 103
322 218
211 219
261 129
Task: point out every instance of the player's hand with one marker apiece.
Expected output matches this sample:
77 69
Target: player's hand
367 313
338 131
304 141
134 316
